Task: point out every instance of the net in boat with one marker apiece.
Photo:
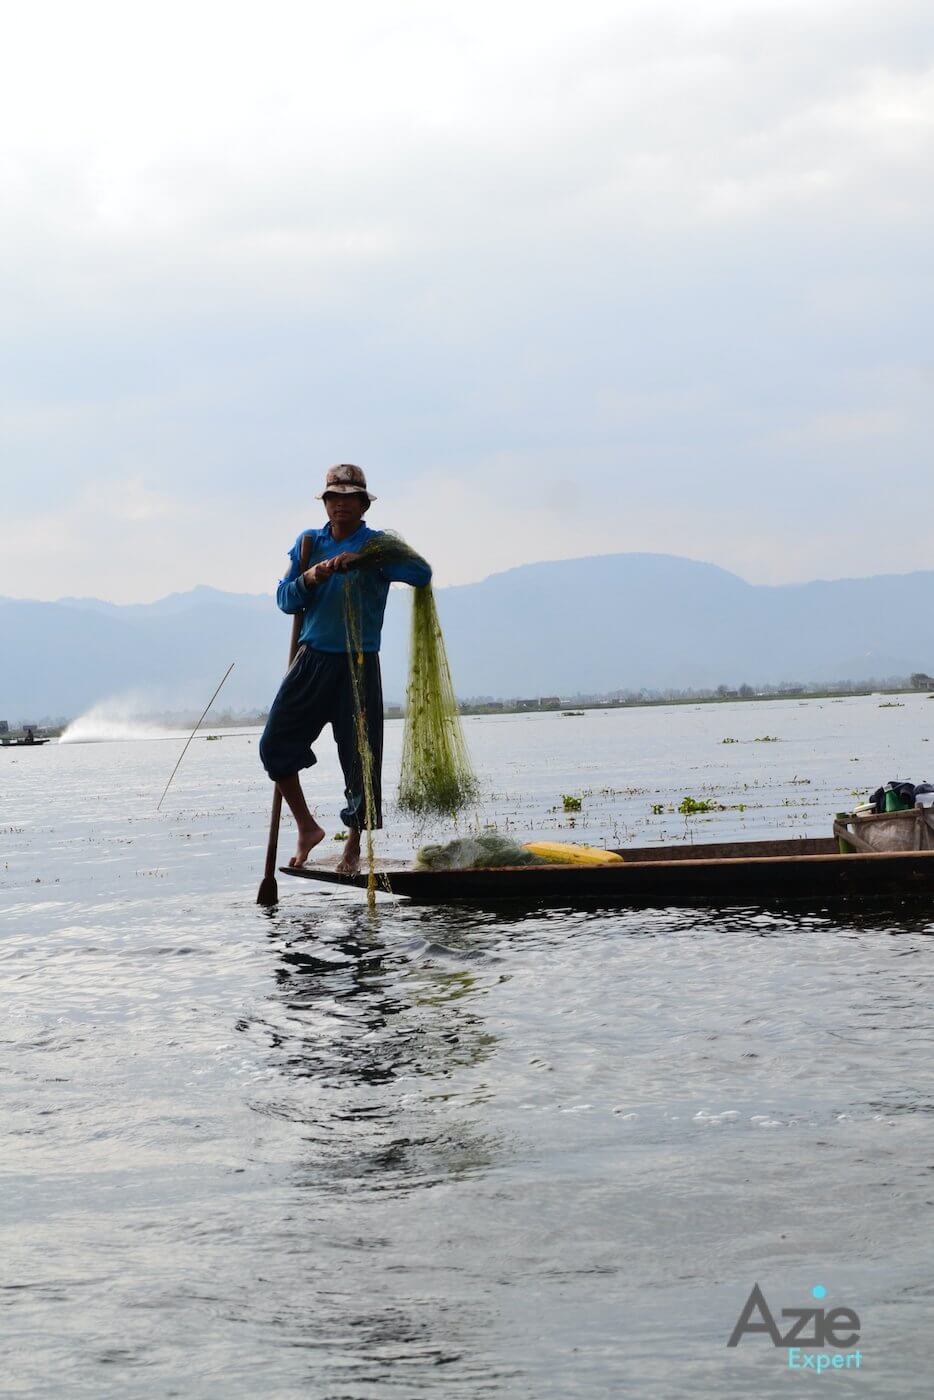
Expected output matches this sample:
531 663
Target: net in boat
487 850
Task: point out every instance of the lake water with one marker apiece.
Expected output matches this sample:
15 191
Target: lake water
433 1152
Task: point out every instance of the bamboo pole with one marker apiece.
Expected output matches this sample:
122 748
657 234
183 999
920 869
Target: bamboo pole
268 889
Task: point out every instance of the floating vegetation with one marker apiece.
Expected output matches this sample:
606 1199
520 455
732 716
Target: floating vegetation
658 809
573 714
692 806
893 704
339 836
763 739
570 802
697 806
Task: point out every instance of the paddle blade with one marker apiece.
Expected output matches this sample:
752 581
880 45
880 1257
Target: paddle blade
268 892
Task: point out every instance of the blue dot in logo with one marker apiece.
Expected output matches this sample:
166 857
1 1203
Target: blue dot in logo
818 1291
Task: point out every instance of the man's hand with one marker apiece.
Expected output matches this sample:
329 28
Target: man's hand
341 563
338 565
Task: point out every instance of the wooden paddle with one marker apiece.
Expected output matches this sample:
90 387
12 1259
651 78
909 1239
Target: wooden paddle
268 888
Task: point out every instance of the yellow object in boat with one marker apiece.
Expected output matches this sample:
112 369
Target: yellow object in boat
565 853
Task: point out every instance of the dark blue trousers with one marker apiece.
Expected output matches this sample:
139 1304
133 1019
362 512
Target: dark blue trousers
317 690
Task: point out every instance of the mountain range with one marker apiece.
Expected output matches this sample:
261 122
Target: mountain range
572 627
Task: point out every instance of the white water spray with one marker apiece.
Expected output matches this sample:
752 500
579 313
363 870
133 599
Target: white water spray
120 717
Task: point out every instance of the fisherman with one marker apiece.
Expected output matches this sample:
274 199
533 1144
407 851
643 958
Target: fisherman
318 687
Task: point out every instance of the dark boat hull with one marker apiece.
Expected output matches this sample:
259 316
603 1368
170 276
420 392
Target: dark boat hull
727 873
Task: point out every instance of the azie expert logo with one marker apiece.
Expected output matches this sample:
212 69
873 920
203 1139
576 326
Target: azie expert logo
810 1327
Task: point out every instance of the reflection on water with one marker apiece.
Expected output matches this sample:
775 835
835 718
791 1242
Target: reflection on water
371 1028
365 1031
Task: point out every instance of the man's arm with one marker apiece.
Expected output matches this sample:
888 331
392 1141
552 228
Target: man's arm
416 572
295 591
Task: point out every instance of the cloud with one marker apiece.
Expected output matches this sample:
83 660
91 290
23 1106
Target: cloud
853 427
666 266
102 535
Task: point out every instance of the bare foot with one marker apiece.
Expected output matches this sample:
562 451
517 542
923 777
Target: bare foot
349 862
308 838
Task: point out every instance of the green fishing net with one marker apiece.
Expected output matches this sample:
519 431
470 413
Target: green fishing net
487 850
436 777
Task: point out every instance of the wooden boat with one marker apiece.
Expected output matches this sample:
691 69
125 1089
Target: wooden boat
23 743
736 872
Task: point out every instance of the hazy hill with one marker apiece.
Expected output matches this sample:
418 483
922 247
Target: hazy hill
582 625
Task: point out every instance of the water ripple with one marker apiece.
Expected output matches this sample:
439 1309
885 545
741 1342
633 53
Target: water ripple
450 1152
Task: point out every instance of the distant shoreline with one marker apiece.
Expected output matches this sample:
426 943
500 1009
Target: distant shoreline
547 705
573 706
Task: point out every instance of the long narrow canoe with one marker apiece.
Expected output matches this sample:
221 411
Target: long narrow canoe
722 873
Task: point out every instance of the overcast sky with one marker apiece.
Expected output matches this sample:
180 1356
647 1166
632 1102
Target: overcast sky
565 279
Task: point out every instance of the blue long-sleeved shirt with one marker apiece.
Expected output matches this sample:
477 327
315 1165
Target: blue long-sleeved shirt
323 603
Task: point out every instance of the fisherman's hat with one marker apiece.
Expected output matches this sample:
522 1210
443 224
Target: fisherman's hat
346 480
